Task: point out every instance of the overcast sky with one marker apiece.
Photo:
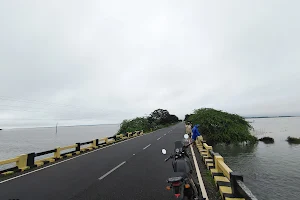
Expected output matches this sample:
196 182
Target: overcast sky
85 62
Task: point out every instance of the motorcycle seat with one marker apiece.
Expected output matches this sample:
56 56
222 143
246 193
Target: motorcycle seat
177 176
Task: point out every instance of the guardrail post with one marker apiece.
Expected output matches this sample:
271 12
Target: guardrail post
218 158
234 176
22 162
78 147
57 153
213 154
94 144
115 138
30 159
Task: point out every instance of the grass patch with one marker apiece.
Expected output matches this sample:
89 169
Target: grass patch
209 177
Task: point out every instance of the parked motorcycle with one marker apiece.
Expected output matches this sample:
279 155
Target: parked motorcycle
182 183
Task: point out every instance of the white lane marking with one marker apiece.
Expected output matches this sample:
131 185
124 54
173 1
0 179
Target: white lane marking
165 134
133 154
71 158
158 138
203 190
146 146
110 171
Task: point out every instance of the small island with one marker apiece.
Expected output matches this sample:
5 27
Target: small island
217 126
267 140
293 140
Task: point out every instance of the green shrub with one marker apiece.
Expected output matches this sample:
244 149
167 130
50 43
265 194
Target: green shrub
222 127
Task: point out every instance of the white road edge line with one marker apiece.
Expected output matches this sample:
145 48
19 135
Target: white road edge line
110 171
203 190
158 138
10 179
146 146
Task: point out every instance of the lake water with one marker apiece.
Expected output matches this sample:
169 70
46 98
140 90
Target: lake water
14 142
271 171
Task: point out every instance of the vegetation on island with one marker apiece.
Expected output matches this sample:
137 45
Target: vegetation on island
157 119
267 140
218 126
293 140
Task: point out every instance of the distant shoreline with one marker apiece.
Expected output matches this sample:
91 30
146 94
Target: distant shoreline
270 117
54 126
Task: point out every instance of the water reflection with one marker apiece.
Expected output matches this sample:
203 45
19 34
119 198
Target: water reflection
235 149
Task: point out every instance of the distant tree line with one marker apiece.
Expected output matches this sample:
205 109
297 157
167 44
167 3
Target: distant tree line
159 118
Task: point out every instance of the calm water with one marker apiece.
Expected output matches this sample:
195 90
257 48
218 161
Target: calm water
14 142
271 171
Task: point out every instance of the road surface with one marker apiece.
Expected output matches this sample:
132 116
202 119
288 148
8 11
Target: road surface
133 170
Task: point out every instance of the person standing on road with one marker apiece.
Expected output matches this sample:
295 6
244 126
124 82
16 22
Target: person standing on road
196 132
188 129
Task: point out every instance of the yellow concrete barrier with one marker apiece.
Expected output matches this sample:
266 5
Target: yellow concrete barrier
129 134
109 141
124 136
57 153
223 168
135 134
68 147
8 161
22 162
219 170
103 139
94 144
119 136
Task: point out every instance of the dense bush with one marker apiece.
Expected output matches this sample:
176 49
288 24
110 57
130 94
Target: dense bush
293 140
137 124
222 127
157 119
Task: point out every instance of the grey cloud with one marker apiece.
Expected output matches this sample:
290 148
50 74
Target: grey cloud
102 62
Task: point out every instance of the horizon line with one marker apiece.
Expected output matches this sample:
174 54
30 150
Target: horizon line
58 126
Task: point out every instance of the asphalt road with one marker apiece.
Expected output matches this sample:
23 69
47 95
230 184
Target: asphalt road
133 169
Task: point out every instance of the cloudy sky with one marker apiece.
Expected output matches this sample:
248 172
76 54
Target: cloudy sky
85 62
